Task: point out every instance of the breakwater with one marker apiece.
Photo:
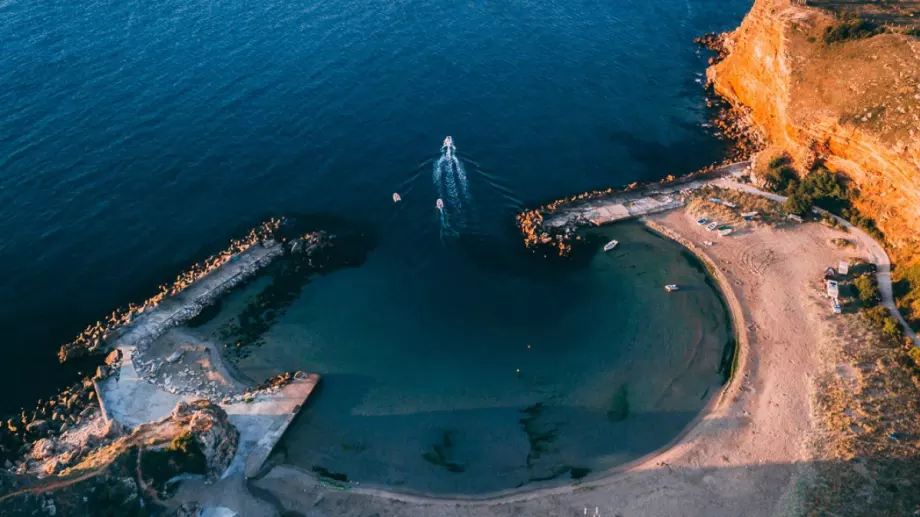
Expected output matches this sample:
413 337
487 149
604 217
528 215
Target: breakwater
95 337
553 225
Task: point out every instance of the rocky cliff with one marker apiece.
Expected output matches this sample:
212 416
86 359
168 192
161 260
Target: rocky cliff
120 473
852 104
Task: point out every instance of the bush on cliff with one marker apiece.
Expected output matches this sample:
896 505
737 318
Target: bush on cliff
867 290
853 29
797 204
880 318
182 455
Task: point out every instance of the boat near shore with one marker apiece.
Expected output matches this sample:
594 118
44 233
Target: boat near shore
672 288
611 245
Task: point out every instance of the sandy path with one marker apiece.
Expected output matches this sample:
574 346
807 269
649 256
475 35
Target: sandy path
745 456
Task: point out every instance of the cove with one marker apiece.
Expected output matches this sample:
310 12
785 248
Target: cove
444 376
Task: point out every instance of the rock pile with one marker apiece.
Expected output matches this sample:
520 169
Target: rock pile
67 410
272 385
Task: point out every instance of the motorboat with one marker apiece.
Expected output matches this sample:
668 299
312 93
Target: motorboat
610 245
671 288
448 146
712 226
439 204
396 197
702 221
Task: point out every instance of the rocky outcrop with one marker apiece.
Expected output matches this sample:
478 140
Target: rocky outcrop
217 438
52 418
853 105
113 475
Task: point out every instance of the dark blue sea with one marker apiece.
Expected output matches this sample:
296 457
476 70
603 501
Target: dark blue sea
137 137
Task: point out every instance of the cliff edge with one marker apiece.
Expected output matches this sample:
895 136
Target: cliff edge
841 89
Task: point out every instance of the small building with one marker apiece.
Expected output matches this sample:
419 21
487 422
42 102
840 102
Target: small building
832 289
843 268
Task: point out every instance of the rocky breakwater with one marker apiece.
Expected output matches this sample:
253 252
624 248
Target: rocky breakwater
100 336
836 91
26 439
125 473
553 228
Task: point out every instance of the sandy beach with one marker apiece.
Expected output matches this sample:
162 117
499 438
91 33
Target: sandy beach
747 453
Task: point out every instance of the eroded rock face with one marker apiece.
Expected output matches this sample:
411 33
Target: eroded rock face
211 428
854 105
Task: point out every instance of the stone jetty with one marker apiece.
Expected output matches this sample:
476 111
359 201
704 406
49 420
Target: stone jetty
636 203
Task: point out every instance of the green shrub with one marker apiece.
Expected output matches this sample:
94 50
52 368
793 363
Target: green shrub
914 354
778 162
780 177
867 290
182 455
797 204
879 317
851 30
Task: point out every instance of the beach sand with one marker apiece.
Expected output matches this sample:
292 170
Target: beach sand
746 454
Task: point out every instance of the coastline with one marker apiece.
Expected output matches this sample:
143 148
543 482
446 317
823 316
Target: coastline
725 441
744 439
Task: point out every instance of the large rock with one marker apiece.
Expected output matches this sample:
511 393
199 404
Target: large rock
211 428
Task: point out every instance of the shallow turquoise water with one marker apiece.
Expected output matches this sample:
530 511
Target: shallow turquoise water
516 370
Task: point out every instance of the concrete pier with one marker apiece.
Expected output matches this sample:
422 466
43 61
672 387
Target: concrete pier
635 203
263 421
186 305
130 399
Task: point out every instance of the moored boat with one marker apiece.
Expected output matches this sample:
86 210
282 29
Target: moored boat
671 288
610 245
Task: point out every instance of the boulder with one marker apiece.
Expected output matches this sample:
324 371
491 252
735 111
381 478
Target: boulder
37 426
211 428
43 449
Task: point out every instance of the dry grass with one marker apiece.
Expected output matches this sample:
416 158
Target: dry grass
872 84
897 15
868 409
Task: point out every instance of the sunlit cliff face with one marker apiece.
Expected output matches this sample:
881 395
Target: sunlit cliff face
854 105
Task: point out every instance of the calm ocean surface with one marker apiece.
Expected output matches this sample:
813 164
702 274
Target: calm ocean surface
136 136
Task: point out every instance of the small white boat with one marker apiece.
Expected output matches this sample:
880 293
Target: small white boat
671 288
837 309
610 245
712 226
725 231
448 146
396 197
708 243
439 204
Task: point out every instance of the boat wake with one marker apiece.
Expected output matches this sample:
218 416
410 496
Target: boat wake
452 184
